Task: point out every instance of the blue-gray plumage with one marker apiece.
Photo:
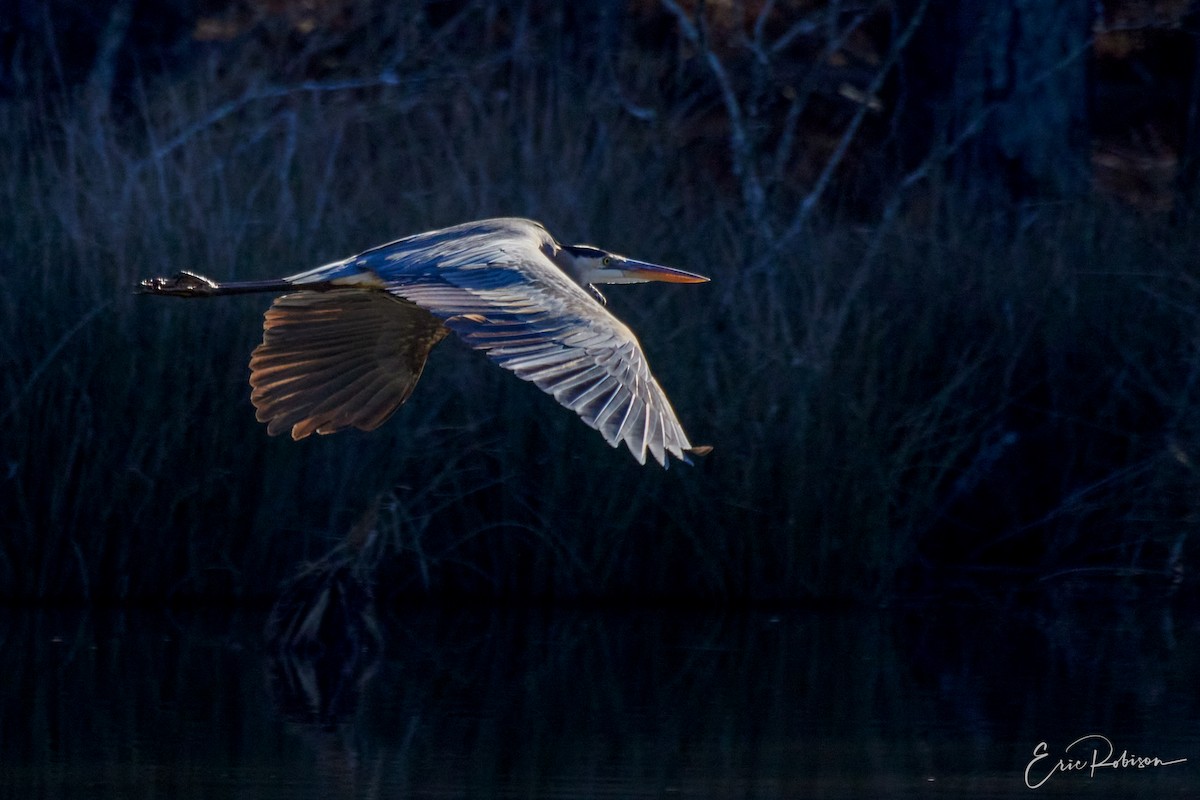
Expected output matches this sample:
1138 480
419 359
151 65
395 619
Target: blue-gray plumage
346 344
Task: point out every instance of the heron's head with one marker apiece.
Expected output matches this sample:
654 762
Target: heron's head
589 265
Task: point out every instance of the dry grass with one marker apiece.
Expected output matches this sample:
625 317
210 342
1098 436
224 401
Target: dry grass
890 407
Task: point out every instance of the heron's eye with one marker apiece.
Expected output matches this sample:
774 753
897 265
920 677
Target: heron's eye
606 260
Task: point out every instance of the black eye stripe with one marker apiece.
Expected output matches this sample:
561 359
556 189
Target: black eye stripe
585 251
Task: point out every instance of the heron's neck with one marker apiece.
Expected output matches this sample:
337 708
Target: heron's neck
565 261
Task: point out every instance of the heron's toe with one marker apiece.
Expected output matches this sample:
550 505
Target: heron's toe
181 284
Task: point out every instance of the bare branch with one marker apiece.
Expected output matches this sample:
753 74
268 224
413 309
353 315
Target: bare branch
739 144
269 93
104 68
760 25
942 153
783 150
835 159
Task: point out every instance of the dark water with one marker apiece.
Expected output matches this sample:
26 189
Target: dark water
945 702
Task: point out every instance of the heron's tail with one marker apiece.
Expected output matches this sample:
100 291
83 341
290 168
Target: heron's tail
189 284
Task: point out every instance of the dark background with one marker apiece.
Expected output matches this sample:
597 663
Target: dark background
950 344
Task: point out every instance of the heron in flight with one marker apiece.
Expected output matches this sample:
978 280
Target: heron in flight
346 343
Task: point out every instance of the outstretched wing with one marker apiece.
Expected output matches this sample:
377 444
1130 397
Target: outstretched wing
338 359
493 284
515 305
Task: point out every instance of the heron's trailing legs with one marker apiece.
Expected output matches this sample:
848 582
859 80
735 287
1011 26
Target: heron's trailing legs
189 284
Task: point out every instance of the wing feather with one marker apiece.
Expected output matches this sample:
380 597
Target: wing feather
338 359
608 364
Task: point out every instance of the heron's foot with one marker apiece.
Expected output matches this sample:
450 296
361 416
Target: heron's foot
181 284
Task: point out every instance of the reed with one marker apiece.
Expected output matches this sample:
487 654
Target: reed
893 407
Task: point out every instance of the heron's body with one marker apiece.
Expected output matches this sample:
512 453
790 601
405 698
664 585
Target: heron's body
346 343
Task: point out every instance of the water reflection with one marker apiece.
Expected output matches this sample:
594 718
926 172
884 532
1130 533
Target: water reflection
534 703
324 644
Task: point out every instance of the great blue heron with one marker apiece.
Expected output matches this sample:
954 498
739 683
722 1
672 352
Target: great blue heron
347 342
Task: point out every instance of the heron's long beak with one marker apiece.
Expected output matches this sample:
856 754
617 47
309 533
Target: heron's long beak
631 271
